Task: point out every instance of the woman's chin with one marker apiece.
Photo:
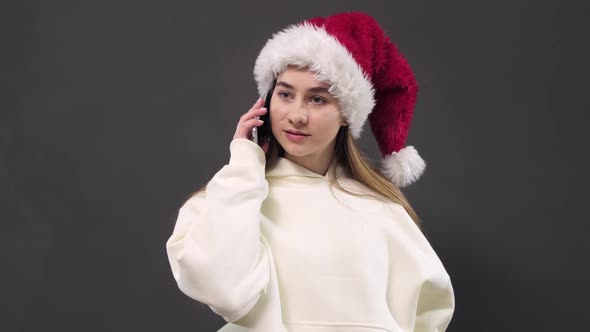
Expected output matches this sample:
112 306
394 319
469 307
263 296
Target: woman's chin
295 150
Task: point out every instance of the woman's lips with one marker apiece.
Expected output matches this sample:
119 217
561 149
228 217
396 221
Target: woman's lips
295 137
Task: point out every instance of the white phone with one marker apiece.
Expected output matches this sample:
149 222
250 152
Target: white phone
255 132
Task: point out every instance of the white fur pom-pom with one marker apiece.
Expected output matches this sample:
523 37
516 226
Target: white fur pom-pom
403 167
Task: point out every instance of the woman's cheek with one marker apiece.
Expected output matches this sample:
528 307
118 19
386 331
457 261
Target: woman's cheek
277 113
275 120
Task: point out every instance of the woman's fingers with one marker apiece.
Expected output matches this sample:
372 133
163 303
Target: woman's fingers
254 110
249 124
257 105
245 127
252 119
253 113
249 120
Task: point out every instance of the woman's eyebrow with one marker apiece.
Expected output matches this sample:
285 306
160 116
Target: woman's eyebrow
316 89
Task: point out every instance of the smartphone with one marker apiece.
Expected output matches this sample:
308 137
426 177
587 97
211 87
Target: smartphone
260 132
255 132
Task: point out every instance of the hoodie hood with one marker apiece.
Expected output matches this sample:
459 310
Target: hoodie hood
287 169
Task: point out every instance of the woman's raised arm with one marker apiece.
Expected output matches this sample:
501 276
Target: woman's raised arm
215 251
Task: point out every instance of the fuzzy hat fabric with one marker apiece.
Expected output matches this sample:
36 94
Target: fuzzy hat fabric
368 76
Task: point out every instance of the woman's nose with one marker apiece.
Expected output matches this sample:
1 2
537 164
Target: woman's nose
298 114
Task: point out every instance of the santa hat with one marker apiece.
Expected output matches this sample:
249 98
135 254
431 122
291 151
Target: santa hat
368 75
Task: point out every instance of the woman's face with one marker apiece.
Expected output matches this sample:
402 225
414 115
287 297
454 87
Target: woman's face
300 102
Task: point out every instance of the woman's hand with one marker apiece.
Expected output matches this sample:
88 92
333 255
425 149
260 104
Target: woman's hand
249 121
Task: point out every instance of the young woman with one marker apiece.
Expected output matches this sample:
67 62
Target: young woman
301 232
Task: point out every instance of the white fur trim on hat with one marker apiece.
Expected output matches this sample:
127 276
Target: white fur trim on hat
403 167
307 45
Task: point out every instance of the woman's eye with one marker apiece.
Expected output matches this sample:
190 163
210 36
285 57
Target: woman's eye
283 94
318 100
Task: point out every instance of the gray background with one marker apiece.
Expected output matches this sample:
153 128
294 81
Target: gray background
114 111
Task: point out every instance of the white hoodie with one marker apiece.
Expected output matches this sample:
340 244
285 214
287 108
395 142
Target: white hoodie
279 252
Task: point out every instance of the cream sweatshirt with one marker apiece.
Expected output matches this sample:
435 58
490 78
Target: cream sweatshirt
279 252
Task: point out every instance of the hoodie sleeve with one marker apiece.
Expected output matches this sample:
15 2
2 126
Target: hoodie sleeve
420 293
215 251
436 304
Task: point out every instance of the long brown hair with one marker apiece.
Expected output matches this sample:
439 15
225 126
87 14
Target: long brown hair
355 164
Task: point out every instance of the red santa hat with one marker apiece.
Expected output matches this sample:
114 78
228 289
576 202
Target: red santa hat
368 76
